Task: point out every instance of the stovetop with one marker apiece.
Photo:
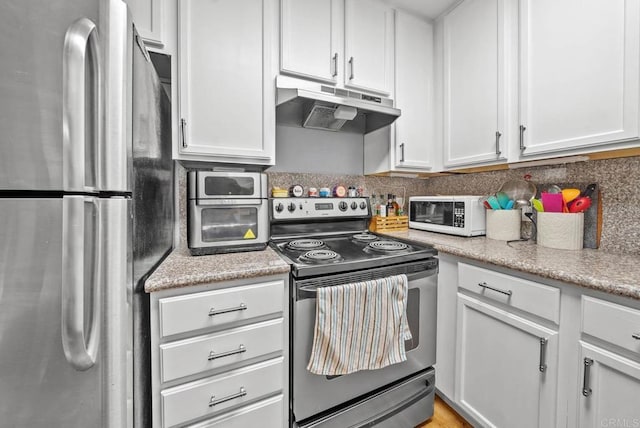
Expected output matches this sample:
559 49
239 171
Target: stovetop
322 255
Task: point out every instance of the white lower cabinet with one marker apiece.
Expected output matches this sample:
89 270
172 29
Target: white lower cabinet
219 354
531 352
506 366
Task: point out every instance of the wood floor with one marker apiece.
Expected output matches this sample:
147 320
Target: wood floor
444 417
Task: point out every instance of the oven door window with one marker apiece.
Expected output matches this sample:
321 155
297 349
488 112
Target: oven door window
221 224
229 186
440 213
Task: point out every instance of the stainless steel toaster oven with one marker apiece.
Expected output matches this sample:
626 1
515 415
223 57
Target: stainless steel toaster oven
226 212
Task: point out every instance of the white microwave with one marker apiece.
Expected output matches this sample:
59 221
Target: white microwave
462 215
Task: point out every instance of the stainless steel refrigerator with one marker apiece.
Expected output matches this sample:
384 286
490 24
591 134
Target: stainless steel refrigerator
86 213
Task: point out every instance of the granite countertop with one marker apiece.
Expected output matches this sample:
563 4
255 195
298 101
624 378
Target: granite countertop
599 270
181 269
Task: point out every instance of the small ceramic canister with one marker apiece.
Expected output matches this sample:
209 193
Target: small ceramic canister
503 225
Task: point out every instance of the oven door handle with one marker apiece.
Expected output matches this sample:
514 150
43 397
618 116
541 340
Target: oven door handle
386 414
309 292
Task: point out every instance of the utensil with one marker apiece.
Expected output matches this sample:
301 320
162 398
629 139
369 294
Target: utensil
580 204
519 189
551 188
570 194
552 202
537 205
493 201
503 200
509 205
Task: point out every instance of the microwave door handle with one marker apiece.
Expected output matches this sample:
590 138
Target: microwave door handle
81 48
80 352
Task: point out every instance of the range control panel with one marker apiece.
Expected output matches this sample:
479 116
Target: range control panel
308 208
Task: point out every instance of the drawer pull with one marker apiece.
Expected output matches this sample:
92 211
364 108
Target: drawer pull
214 356
214 402
586 390
213 311
485 285
543 354
636 336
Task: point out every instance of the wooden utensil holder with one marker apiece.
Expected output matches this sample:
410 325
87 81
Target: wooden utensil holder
389 224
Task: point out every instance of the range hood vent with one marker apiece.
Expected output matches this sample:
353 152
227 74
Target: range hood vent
333 109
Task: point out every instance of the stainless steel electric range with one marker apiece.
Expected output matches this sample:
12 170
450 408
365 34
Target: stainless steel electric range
327 243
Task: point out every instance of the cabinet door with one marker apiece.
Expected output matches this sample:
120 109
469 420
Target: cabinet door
474 83
498 364
413 92
368 62
147 15
579 73
310 39
610 389
227 89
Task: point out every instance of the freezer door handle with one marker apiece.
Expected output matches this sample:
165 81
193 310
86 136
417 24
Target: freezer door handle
80 352
81 106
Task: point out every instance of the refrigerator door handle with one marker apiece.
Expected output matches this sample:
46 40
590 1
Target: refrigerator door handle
81 106
80 352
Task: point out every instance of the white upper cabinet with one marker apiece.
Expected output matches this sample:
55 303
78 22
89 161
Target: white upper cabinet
579 73
226 77
368 46
348 43
310 43
474 83
147 15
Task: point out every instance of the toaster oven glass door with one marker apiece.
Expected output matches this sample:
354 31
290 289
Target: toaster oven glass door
440 213
228 223
231 186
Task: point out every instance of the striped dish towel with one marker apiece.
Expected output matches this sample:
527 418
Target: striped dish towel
360 326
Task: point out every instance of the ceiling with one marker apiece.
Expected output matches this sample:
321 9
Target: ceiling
427 8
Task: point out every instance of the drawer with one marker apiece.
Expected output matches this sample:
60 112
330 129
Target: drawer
537 299
194 355
613 323
264 414
219 307
213 395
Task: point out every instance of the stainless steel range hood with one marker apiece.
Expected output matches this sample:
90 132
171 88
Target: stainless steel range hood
324 107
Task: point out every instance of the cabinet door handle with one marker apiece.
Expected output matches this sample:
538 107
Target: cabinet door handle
351 74
586 390
543 354
214 402
522 129
335 65
498 135
183 124
241 307
636 336
214 356
402 152
485 285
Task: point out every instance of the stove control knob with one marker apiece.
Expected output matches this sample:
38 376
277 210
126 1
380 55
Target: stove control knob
291 207
279 207
354 205
343 206
363 205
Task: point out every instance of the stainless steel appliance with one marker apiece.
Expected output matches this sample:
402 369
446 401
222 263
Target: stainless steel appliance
326 242
227 211
462 215
86 202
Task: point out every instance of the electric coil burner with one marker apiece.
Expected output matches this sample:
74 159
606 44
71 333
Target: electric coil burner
326 242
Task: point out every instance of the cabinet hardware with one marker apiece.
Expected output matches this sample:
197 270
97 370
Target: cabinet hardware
241 307
498 135
522 129
183 124
543 354
402 152
636 336
214 402
335 65
586 390
351 74
484 285
214 356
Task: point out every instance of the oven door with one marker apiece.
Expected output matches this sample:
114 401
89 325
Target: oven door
226 185
217 227
313 394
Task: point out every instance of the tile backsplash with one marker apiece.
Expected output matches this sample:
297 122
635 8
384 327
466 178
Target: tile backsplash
618 180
